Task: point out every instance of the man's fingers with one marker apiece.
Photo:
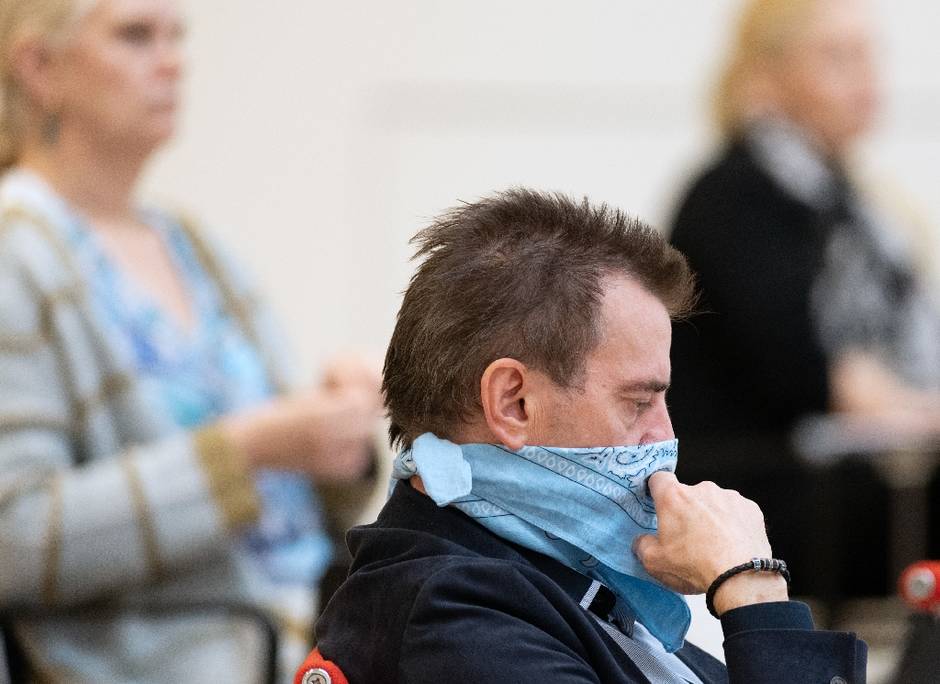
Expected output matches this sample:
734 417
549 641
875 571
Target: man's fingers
659 482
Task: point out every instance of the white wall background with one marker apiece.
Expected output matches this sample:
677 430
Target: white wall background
319 136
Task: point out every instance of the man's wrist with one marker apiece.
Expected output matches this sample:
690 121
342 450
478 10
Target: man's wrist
748 588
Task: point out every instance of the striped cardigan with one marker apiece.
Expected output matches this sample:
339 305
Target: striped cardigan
101 495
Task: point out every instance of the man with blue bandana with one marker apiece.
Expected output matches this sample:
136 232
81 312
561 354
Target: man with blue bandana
534 530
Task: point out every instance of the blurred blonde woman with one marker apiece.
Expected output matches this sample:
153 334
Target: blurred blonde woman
150 449
813 301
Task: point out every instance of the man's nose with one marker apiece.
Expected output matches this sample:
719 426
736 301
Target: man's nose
659 428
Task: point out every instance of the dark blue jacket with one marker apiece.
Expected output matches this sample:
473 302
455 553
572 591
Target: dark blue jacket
434 598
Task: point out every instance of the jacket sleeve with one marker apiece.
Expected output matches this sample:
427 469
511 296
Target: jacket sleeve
776 642
72 532
481 623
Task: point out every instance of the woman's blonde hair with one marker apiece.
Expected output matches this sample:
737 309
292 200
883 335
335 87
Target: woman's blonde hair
20 20
764 32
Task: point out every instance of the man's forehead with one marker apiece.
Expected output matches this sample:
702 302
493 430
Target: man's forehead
624 291
635 334
628 308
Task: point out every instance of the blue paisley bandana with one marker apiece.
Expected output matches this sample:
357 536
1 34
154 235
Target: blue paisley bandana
581 506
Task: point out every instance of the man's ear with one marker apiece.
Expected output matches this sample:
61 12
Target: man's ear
503 389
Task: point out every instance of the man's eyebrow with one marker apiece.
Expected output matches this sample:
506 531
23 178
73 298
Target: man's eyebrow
645 386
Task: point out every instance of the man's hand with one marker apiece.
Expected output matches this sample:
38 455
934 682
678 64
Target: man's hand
703 531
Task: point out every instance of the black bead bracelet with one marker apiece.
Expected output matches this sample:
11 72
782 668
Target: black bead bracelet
755 564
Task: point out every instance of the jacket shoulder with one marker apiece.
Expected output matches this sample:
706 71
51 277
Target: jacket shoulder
474 618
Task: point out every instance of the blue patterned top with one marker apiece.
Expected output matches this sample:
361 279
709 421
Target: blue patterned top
202 374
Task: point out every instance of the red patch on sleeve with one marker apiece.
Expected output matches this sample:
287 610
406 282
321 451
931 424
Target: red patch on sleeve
318 670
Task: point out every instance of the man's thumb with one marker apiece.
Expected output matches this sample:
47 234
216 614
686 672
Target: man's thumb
646 548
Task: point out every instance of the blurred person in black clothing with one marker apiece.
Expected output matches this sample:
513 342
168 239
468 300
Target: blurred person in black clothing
811 300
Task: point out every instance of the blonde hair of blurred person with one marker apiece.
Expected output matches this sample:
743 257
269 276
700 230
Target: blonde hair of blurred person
812 63
89 90
47 20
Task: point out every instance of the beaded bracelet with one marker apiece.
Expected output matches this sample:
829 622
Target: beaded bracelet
756 564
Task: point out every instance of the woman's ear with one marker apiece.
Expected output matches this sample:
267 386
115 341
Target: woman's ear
503 389
761 90
34 67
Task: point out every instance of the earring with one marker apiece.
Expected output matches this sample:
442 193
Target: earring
50 129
